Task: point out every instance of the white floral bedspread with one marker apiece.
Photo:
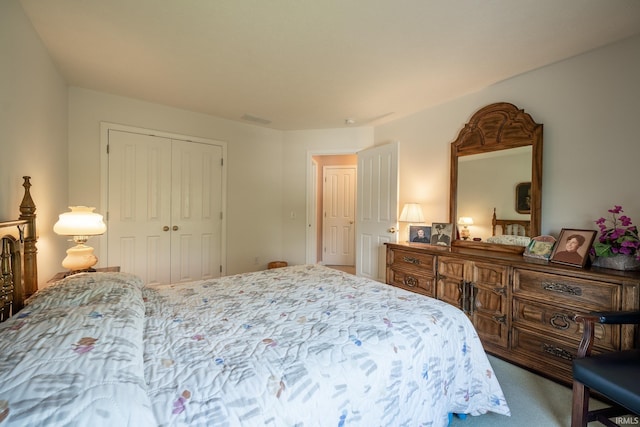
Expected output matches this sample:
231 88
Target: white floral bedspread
73 356
310 346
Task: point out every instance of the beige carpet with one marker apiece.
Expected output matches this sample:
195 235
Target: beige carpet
534 401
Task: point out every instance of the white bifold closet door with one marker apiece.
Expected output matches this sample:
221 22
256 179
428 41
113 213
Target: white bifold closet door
164 207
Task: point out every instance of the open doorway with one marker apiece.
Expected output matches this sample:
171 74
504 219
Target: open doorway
331 211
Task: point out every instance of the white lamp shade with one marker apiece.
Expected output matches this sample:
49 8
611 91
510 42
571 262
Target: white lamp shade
465 220
81 221
411 212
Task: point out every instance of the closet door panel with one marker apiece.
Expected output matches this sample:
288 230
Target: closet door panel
196 211
139 198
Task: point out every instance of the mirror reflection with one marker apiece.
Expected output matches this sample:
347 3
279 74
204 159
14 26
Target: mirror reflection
489 181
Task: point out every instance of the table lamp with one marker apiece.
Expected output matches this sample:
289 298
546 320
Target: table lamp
81 223
465 222
411 213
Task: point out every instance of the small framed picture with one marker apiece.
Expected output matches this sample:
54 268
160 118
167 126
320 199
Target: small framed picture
573 247
523 198
419 234
540 247
441 233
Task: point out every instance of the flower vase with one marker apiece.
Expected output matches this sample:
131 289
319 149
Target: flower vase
618 262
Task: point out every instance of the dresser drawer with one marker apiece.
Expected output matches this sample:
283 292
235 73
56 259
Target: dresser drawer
582 295
551 319
412 280
543 353
407 259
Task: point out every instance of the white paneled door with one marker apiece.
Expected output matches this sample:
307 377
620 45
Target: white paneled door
339 205
164 207
377 217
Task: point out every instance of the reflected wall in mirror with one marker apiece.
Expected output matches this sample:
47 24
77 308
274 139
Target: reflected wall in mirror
488 181
499 149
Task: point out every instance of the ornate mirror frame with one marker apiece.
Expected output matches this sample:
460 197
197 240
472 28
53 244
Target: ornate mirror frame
499 126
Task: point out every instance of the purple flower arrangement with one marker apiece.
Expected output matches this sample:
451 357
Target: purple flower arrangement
617 236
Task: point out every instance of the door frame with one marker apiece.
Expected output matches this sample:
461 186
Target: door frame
105 127
312 188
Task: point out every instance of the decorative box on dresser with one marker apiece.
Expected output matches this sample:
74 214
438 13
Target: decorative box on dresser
522 308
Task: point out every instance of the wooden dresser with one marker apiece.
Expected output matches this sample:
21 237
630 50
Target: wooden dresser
522 308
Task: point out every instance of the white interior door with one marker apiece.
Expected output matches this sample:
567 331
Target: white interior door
196 208
377 212
339 204
139 205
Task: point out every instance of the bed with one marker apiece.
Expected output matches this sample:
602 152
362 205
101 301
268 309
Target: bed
300 345
509 231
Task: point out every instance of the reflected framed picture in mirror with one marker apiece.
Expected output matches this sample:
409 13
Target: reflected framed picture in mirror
419 234
523 198
441 233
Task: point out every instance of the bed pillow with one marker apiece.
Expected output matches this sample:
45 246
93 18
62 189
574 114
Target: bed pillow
88 288
74 356
510 240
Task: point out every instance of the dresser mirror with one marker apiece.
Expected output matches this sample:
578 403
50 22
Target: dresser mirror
496 178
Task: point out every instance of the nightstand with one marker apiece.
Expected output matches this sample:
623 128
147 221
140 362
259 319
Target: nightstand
61 275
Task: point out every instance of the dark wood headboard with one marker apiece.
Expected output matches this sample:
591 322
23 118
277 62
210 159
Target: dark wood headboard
18 257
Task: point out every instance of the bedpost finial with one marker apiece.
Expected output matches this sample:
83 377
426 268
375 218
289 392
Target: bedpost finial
27 207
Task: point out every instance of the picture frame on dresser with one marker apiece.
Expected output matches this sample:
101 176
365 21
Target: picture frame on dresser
441 233
540 247
572 247
419 234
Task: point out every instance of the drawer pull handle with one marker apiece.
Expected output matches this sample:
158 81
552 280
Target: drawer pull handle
410 281
560 321
557 352
411 260
501 319
562 288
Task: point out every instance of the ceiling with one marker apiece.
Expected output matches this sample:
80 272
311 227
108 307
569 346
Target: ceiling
312 64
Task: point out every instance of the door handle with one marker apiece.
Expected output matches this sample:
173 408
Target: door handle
392 230
165 228
175 228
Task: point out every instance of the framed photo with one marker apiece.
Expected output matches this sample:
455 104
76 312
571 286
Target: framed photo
573 247
523 198
419 234
441 233
540 247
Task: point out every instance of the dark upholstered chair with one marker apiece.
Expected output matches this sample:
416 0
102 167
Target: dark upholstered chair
614 375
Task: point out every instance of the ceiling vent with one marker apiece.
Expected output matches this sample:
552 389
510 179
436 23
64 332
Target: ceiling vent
250 118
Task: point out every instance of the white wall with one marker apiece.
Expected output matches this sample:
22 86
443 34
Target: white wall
266 170
589 107
33 121
254 167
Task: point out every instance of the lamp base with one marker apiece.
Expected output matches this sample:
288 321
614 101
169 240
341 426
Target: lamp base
465 234
79 258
